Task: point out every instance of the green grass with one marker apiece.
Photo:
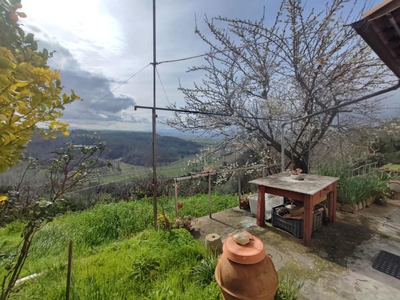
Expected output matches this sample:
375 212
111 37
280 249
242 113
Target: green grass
149 265
391 167
355 189
96 233
176 169
116 254
127 173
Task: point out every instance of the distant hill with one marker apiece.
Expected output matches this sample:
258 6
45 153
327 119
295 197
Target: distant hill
130 147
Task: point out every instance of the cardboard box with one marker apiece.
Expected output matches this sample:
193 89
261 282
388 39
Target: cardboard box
297 211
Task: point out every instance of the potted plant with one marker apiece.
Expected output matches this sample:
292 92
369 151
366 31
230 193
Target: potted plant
244 202
295 174
184 222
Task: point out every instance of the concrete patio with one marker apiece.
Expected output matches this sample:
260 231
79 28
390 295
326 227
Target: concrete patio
338 264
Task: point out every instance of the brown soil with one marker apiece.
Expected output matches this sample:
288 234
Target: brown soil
337 242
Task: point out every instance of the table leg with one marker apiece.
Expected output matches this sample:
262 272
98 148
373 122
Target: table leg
332 198
307 220
261 206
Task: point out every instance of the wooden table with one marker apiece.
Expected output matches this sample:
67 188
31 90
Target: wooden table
311 191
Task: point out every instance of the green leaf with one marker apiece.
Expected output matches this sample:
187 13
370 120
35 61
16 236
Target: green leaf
34 46
6 63
29 38
21 83
6 139
21 32
25 93
65 97
4 81
45 54
37 99
21 14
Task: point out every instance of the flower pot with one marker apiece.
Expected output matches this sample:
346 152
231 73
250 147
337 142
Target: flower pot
245 271
394 185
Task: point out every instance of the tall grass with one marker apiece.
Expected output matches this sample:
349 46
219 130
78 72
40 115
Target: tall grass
150 265
289 287
116 256
355 189
91 229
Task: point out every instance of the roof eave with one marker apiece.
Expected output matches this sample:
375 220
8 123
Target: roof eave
365 30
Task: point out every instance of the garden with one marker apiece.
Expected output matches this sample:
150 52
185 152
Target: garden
116 255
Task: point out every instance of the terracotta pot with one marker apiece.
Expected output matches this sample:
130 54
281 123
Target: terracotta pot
246 272
394 185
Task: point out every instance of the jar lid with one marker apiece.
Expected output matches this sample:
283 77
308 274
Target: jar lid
248 254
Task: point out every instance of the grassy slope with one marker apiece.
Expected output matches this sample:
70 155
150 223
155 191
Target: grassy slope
391 167
149 265
109 247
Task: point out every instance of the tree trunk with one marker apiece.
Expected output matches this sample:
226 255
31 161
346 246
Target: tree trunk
301 162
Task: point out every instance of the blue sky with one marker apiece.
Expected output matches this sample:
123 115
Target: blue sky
101 43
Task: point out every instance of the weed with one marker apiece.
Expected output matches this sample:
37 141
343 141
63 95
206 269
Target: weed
145 268
203 274
289 288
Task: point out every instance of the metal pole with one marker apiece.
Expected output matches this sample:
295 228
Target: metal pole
69 271
154 115
283 148
239 186
392 88
209 195
176 199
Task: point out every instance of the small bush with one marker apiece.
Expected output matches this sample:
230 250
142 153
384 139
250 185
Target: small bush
203 274
355 189
145 268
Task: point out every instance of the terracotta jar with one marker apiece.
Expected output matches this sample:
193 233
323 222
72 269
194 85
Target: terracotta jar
245 271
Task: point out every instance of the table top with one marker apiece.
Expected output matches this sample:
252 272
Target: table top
311 184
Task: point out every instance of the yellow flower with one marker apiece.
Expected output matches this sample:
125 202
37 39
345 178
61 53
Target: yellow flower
3 198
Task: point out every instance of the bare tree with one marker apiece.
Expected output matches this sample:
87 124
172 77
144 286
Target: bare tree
261 76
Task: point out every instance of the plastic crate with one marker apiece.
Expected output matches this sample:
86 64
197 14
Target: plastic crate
317 220
294 226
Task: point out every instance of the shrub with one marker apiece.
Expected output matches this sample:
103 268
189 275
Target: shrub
203 273
353 190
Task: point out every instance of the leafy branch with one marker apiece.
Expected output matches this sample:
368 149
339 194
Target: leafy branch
73 165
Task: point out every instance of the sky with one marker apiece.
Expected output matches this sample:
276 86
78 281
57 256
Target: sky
100 44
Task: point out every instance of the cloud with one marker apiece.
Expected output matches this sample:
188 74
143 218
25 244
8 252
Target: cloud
99 44
85 25
99 103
